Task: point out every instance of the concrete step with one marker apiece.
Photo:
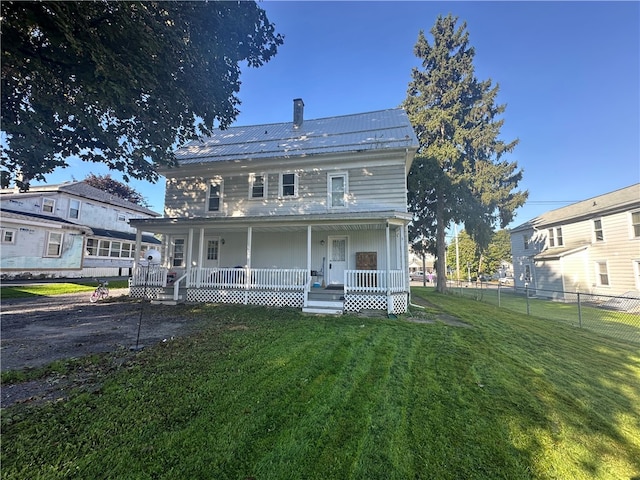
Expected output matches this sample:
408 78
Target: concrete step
164 302
322 311
325 303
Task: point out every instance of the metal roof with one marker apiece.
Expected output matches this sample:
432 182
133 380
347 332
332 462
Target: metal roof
383 129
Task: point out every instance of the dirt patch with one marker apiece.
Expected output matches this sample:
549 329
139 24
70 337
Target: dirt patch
37 331
433 314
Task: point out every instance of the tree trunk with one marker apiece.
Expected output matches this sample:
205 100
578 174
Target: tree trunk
441 267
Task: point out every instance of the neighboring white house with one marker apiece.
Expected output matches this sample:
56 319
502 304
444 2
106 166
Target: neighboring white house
68 230
591 246
276 214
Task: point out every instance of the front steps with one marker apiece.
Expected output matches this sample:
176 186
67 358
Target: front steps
325 302
166 297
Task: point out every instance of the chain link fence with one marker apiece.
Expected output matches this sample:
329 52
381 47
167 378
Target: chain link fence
615 316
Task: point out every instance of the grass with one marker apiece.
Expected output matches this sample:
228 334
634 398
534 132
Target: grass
617 324
271 394
54 288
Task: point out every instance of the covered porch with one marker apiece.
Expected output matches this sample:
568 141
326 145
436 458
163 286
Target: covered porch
320 263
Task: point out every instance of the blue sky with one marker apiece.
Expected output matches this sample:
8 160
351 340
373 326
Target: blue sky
569 73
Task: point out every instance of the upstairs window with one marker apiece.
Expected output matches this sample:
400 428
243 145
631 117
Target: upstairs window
215 197
54 244
74 208
635 224
598 233
258 186
527 241
288 185
121 217
48 205
555 237
337 189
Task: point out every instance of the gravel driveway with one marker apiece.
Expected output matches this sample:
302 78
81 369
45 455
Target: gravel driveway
38 330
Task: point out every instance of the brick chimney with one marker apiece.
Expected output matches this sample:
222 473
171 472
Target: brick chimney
298 112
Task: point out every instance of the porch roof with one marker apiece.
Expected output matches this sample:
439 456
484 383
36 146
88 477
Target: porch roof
280 223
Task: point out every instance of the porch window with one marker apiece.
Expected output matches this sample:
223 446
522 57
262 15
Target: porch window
597 230
48 205
92 247
105 248
257 186
635 224
54 244
178 252
212 250
288 185
337 188
602 273
8 236
215 194
115 249
74 208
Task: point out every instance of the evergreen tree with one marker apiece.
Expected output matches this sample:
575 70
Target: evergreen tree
459 174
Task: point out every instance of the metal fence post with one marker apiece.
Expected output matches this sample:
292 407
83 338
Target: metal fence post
579 310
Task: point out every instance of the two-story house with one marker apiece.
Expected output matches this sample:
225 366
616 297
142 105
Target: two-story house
278 214
592 246
68 230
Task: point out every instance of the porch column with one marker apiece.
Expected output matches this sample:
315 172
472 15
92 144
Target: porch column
200 258
388 253
306 297
248 268
189 255
138 252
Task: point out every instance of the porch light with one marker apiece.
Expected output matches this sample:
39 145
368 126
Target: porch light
322 242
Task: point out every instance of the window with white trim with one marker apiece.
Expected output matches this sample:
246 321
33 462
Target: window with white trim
48 205
215 196
337 189
121 217
54 244
555 237
257 185
212 249
74 208
527 241
8 235
108 248
602 274
635 224
177 259
636 271
288 185
598 232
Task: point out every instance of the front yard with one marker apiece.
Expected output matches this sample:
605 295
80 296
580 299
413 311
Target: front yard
272 394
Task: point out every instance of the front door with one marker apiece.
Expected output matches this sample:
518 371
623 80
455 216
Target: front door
338 254
177 252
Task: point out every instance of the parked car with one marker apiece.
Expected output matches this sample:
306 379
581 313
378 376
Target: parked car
506 280
417 276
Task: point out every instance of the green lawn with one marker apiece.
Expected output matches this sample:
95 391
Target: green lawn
55 288
272 394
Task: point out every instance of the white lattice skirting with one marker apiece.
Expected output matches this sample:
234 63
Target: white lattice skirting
149 292
252 297
360 302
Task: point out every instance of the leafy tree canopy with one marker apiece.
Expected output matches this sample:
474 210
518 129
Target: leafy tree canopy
116 188
121 82
459 174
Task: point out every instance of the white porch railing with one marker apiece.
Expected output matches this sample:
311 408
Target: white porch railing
151 276
251 279
374 281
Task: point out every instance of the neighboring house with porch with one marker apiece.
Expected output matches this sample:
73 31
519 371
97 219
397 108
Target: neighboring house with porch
309 214
592 246
68 230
